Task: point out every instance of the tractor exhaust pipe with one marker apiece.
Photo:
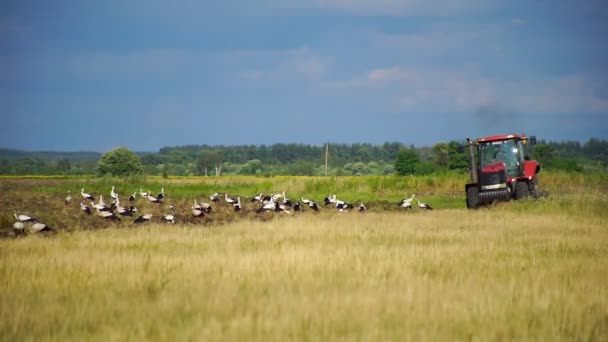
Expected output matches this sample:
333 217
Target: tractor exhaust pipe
473 166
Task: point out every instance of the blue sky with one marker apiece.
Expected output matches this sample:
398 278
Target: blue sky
94 75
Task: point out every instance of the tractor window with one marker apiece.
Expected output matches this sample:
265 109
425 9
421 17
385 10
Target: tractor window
506 152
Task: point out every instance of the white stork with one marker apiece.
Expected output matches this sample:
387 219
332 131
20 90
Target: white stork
423 205
113 194
286 201
406 200
107 215
24 218
41 227
281 208
68 198
143 218
362 207
86 196
270 205
85 209
237 205
170 218
229 199
198 213
257 197
312 205
215 197
162 194
153 199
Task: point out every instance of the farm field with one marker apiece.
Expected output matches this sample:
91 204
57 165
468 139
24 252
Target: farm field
528 270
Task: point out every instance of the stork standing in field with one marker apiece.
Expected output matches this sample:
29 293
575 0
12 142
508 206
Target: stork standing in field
296 207
406 205
123 211
342 206
312 205
267 199
68 198
423 205
24 218
107 215
142 193
162 194
170 218
143 218
281 208
197 210
85 209
257 197
215 197
228 199
196 206
286 201
132 197
362 207
41 227
153 199
19 226
305 200
86 196
204 206
197 213
101 202
113 194
329 200
270 205
237 205
406 202
100 206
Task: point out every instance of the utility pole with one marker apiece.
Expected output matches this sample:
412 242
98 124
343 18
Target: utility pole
326 156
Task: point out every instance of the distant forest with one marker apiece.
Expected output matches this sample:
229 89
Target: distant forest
301 159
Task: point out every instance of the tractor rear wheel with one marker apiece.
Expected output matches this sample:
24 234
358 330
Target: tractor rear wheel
472 197
521 190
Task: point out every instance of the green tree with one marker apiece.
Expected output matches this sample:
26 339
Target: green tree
458 157
252 167
63 165
210 160
406 162
543 153
120 162
440 155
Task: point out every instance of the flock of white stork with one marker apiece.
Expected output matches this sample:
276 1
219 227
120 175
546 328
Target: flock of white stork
268 203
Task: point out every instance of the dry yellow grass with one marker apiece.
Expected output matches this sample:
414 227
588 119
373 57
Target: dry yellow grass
444 275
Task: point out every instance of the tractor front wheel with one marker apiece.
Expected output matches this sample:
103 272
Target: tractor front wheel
521 190
533 186
472 197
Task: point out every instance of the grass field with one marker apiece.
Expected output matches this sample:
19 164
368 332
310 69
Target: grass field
528 270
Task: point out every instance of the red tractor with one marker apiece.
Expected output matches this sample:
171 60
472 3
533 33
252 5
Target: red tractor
503 169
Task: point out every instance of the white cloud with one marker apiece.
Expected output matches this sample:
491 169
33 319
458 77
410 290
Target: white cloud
445 90
284 65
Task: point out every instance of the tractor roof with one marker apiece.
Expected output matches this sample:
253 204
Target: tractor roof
499 137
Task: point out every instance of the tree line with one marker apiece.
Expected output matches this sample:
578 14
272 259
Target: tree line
291 159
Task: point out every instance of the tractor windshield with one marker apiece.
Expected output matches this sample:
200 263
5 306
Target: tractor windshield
506 151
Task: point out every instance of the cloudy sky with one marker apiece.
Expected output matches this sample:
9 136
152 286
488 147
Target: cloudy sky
94 75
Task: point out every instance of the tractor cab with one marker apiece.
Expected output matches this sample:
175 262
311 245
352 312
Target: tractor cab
501 169
507 151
